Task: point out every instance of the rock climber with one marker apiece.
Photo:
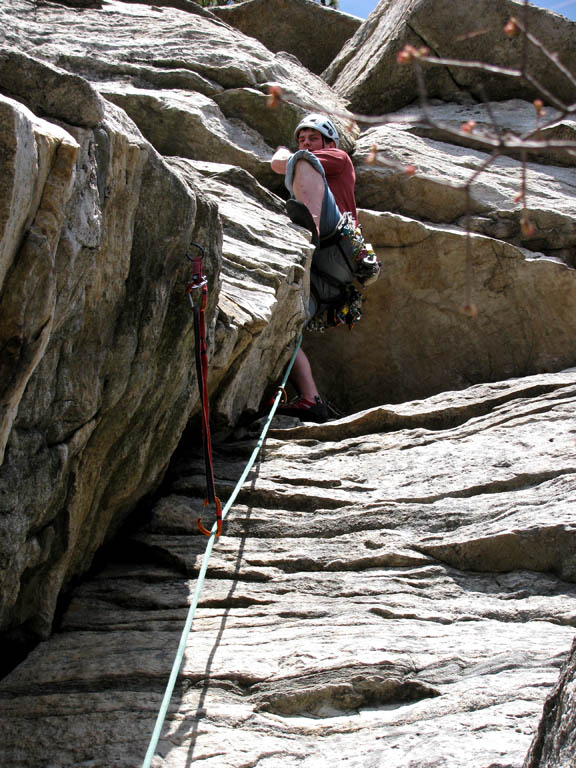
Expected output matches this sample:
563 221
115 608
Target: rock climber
321 177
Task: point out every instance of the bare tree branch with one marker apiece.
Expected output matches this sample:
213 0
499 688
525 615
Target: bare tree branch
494 139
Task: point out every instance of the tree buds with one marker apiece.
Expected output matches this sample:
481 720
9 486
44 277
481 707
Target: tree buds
409 53
539 107
274 96
511 29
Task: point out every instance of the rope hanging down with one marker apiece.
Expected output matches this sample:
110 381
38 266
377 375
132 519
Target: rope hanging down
200 283
202 575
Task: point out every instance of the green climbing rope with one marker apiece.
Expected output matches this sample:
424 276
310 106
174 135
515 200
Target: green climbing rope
202 575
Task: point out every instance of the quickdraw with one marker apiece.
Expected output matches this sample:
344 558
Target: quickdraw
366 265
200 283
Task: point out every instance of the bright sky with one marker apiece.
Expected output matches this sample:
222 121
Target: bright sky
363 8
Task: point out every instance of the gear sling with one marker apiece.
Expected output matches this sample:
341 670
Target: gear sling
340 259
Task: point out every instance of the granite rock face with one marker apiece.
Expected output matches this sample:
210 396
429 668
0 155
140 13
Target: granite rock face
491 119
413 314
313 34
367 73
171 58
358 609
49 90
98 380
93 270
494 207
264 282
554 744
395 587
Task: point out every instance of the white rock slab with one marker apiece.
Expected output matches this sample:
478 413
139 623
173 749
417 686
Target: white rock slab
400 625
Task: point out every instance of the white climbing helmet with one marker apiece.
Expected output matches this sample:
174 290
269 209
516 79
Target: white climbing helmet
319 123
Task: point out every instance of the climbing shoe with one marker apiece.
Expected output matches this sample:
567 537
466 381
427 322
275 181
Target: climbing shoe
305 410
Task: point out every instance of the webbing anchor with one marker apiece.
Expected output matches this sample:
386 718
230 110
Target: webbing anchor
200 282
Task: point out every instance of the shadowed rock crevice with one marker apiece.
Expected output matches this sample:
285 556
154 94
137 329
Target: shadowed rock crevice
420 41
127 683
263 499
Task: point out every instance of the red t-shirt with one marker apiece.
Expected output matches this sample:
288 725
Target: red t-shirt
340 176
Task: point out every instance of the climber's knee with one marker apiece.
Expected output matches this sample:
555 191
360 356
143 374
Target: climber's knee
308 188
308 183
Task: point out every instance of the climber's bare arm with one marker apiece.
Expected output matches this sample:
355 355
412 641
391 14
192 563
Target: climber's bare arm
280 159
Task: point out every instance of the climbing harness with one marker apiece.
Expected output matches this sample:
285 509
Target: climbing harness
366 265
199 283
347 310
343 264
202 575
342 261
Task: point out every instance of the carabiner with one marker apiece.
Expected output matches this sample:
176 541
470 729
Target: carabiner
198 279
200 248
201 527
